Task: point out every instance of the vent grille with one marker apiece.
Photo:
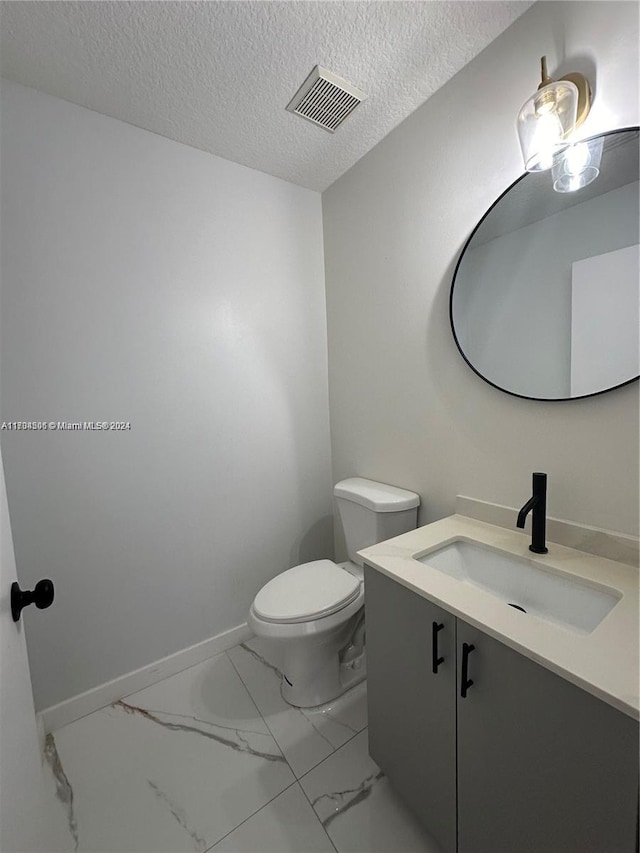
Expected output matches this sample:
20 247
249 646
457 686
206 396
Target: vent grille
325 99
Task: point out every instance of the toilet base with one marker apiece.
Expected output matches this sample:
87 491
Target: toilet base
306 694
318 659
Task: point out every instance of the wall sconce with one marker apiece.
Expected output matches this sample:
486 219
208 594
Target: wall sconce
577 165
549 117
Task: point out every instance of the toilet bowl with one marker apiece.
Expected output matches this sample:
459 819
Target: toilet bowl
312 615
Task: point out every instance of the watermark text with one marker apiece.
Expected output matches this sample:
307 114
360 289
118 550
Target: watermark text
65 426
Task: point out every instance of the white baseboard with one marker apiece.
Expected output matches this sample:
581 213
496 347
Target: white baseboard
53 718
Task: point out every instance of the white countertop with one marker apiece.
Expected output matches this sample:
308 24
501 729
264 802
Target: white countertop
605 662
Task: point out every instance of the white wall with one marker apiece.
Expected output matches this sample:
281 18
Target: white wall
405 408
516 292
605 319
149 282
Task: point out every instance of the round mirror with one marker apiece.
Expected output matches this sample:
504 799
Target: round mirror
545 297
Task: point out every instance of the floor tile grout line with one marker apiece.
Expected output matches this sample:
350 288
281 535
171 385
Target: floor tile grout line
327 757
253 814
316 729
295 780
314 768
270 734
324 829
262 717
225 652
335 752
276 739
246 687
318 763
296 777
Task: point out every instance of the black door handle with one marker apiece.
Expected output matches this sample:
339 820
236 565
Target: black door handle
41 596
436 661
465 682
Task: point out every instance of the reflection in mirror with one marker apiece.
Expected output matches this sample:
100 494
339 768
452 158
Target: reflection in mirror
545 297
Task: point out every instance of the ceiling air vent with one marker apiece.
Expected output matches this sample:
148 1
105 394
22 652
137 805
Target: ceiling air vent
325 99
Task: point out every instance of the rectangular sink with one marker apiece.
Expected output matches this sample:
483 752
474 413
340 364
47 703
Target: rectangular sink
558 598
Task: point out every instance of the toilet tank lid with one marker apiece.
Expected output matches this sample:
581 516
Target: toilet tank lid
376 496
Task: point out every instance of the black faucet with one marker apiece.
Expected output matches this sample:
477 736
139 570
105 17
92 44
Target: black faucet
537 503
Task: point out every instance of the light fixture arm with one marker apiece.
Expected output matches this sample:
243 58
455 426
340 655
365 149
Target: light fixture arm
545 79
580 82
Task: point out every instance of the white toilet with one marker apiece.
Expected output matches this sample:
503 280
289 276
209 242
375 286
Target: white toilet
314 613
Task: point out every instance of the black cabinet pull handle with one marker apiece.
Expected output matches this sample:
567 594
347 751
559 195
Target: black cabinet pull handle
436 661
41 596
465 682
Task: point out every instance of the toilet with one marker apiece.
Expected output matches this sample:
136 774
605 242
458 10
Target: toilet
313 614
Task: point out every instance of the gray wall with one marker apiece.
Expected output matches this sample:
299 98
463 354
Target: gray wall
149 282
405 408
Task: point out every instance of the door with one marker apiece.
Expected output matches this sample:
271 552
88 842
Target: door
542 765
23 798
412 708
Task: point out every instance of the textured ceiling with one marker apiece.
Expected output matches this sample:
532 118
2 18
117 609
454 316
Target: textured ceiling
218 75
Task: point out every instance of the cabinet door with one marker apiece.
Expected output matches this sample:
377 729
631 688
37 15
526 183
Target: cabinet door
543 767
411 708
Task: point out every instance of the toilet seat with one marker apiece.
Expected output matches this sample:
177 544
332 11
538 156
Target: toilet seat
306 592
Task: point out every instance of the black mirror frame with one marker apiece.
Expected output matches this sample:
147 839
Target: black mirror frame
453 284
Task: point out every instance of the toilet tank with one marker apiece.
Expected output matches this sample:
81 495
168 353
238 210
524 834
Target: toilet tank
371 512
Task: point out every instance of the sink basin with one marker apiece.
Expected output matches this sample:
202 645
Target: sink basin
525 585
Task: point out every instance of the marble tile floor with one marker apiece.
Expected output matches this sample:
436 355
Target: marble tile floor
213 759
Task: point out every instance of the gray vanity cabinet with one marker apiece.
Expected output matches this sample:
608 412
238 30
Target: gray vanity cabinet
543 766
534 764
412 711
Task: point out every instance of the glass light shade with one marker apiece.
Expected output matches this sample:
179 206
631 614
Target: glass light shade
545 121
577 166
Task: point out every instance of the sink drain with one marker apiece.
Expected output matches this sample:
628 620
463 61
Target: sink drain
516 606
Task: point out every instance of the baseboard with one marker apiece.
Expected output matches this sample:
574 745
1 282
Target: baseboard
53 718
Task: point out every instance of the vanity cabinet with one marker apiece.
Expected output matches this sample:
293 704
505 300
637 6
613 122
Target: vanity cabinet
525 761
411 710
